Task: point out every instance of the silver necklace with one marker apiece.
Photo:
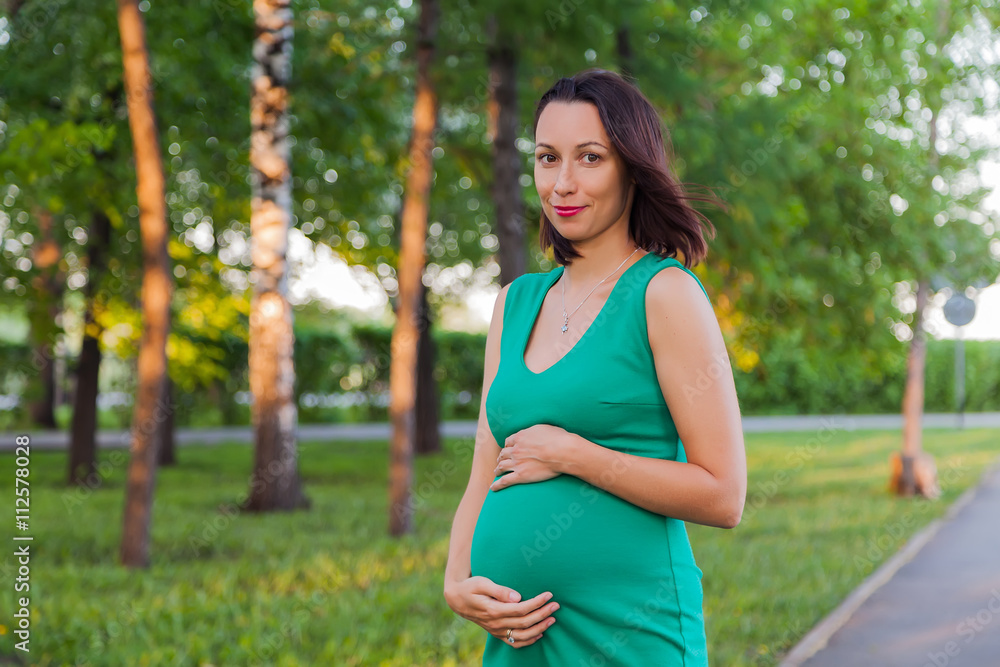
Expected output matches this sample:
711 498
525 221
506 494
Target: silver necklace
565 325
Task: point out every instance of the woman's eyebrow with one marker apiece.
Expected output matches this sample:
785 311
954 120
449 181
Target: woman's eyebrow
586 143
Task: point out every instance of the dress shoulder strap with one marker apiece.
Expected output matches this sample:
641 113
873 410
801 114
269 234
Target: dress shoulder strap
518 309
657 264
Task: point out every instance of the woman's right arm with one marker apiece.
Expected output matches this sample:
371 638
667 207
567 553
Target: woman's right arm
494 607
483 462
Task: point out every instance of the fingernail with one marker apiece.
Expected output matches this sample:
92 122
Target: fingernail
513 597
551 621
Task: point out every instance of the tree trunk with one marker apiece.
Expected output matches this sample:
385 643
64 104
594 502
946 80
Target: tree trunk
157 287
83 430
913 470
13 7
507 161
405 334
626 61
167 456
275 484
42 410
428 435
42 314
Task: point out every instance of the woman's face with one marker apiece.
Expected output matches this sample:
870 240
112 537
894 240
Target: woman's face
581 179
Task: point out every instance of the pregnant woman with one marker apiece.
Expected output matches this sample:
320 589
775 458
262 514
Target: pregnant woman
609 414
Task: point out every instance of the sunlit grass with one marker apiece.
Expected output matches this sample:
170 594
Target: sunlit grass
327 586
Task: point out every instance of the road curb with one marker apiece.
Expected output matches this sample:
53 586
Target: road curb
817 638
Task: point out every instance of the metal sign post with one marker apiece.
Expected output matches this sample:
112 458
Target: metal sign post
959 311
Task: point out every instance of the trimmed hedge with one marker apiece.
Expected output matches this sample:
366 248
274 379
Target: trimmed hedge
343 376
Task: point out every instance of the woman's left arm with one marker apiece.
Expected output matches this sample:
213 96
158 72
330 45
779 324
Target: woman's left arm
695 376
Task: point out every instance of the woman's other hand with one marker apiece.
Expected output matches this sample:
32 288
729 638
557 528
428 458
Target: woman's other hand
534 454
498 609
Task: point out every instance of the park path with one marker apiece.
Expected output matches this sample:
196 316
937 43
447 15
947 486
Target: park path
936 603
467 429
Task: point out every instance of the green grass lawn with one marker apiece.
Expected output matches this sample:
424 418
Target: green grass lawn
328 587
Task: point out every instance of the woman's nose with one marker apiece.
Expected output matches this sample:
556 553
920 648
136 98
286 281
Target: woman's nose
565 183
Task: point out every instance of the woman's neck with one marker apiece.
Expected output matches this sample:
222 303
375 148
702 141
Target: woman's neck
597 264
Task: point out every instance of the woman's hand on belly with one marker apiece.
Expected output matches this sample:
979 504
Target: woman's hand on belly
534 454
489 606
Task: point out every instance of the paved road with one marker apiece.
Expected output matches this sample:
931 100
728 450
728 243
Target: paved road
940 608
467 429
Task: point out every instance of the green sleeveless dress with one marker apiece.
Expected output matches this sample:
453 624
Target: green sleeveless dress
625 578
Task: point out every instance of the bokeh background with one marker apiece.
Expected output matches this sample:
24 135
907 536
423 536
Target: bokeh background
855 145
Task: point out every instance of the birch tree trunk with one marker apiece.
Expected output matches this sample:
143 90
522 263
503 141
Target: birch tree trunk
275 484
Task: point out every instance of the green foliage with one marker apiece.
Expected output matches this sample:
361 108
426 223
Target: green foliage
810 120
797 379
329 587
342 376
982 375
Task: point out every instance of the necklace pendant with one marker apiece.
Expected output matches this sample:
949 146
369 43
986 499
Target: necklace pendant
565 328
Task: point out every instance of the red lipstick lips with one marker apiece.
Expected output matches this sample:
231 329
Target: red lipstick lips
567 211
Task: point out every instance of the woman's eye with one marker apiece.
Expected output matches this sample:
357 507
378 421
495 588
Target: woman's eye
541 158
595 155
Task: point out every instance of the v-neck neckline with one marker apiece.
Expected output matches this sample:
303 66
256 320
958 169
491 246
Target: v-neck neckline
556 274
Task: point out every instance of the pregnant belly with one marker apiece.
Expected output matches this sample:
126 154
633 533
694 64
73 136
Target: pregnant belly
565 535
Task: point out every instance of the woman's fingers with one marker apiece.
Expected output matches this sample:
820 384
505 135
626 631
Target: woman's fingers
534 618
526 636
525 626
502 609
517 643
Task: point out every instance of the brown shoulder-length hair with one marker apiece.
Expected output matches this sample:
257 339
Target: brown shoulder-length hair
662 221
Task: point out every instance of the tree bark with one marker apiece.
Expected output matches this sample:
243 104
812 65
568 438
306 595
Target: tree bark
913 398
503 121
42 314
168 455
405 334
428 432
157 287
83 429
626 60
275 484
915 471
